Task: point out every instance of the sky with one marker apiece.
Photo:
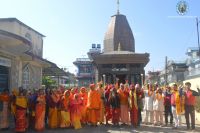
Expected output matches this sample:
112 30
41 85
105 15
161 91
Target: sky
71 26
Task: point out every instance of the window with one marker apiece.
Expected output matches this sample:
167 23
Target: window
26 77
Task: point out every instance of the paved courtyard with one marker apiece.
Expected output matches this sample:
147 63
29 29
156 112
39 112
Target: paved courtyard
121 129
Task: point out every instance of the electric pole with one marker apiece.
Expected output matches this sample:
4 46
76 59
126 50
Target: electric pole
166 76
198 35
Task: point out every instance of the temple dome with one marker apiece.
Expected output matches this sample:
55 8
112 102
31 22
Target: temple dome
119 32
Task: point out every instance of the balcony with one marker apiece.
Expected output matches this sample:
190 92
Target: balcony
85 75
13 43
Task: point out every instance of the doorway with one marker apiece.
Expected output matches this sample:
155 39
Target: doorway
4 72
122 78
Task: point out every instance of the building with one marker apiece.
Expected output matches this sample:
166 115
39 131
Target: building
153 77
193 62
85 74
119 60
180 71
174 73
21 55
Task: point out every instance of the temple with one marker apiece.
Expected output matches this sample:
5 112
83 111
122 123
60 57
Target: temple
119 62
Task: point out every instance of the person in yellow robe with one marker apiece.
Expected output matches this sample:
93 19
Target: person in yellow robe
177 103
65 110
93 105
13 102
53 109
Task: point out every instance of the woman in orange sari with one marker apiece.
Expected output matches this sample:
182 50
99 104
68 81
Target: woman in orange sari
65 112
84 97
76 112
124 112
40 111
21 110
4 101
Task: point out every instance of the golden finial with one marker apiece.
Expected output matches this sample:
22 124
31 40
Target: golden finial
118 7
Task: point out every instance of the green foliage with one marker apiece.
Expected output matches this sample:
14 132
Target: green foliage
48 82
197 105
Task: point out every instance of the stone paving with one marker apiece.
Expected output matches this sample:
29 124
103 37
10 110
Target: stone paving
120 129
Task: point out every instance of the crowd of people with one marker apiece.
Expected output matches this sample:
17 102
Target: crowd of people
97 105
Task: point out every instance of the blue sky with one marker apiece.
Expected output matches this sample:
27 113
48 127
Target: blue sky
71 26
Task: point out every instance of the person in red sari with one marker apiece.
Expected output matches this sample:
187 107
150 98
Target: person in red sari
60 95
108 112
75 106
32 96
100 90
21 110
40 111
114 101
53 109
65 110
84 97
4 102
93 105
72 93
133 106
140 97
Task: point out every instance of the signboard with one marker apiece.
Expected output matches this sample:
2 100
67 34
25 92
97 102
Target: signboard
5 62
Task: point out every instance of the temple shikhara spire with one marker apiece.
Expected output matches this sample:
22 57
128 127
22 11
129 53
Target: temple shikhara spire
117 6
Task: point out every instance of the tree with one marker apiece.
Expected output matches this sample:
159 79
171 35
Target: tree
48 82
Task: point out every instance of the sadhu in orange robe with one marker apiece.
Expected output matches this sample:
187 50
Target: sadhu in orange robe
93 105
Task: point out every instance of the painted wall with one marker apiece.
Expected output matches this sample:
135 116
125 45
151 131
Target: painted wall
195 82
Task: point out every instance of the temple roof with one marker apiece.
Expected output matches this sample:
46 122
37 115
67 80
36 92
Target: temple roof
119 32
124 57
